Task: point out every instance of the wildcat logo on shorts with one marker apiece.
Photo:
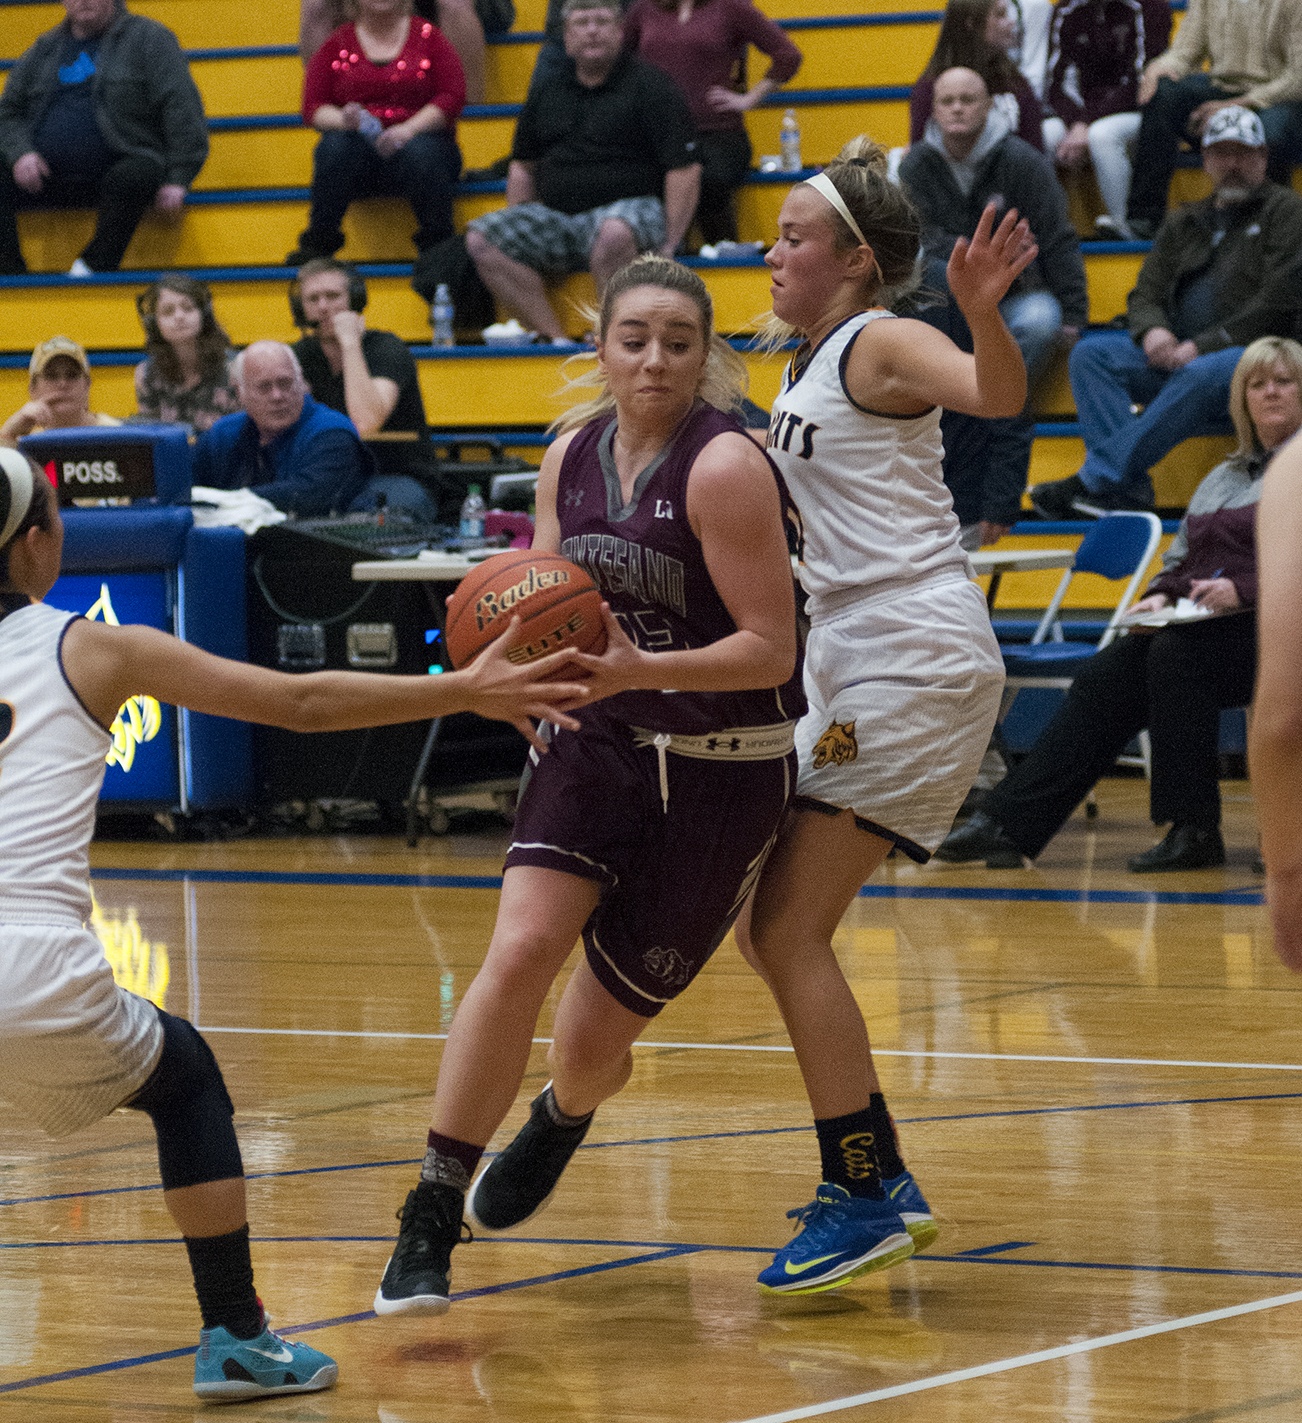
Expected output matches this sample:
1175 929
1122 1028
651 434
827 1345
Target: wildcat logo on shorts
837 746
858 1155
669 966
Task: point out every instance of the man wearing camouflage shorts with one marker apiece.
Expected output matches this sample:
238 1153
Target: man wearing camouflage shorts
603 167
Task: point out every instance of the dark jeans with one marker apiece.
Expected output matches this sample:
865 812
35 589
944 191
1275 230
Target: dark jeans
1162 126
122 196
1174 682
346 166
725 164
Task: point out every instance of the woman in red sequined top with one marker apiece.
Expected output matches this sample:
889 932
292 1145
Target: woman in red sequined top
384 91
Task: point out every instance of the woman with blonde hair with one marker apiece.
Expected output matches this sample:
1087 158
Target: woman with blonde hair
1174 680
642 833
902 671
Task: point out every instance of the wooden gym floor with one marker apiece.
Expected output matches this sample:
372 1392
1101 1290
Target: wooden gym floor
1097 1076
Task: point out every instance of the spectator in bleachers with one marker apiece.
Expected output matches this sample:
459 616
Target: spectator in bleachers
185 378
100 112
701 46
288 448
977 35
384 92
1206 289
58 387
368 375
1253 49
1097 52
1030 48
1172 681
603 167
967 160
552 59
464 22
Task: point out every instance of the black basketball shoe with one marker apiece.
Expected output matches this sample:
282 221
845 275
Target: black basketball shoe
416 1277
519 1181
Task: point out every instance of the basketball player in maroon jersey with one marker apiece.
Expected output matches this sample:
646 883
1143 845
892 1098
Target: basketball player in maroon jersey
644 832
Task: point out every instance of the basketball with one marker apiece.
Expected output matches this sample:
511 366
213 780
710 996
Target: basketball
558 605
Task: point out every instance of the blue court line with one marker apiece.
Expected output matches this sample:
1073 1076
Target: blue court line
1245 895
659 1250
978 1251
987 1255
666 1253
701 1136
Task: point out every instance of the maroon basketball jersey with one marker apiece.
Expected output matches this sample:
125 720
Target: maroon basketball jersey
649 566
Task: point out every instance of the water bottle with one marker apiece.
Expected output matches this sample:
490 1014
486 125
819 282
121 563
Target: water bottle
471 528
442 314
790 141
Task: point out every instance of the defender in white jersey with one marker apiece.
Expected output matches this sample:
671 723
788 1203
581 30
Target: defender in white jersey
902 671
73 1045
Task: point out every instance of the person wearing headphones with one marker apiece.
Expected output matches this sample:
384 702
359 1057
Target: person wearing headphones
185 378
369 376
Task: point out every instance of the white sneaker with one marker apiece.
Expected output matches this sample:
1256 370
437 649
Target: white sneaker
80 269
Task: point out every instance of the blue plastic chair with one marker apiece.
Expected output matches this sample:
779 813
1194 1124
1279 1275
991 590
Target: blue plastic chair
1118 546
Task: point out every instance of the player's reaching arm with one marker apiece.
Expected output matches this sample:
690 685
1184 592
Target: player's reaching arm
106 665
1275 734
905 367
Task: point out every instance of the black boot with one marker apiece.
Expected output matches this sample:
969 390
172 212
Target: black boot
1056 499
416 1277
1184 847
520 1179
981 839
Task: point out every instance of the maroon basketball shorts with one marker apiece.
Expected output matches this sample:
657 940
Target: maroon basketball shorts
676 855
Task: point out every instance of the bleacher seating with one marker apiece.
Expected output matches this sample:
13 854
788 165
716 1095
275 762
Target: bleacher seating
250 203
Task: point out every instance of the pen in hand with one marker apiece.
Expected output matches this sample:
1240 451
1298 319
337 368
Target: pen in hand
1198 597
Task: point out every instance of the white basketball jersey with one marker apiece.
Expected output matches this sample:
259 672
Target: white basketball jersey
51 767
874 506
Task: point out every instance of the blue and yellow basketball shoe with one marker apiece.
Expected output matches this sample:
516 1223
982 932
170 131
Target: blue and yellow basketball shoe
903 1193
841 1236
227 1369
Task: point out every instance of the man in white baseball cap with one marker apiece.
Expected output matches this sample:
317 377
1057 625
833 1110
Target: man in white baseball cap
1205 291
1251 50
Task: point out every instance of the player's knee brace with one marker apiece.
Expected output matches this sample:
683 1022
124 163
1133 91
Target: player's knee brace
186 1099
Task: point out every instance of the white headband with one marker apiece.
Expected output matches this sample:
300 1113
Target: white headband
823 184
18 476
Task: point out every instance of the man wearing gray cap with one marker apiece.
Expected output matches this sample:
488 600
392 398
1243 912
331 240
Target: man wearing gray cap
1253 50
1203 294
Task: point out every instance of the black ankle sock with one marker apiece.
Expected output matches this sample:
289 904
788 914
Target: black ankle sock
888 1144
449 1161
849 1154
561 1119
223 1280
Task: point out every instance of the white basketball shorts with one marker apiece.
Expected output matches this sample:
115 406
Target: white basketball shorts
73 1045
903 694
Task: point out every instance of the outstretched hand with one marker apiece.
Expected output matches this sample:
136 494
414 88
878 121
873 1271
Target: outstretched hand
503 690
983 267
